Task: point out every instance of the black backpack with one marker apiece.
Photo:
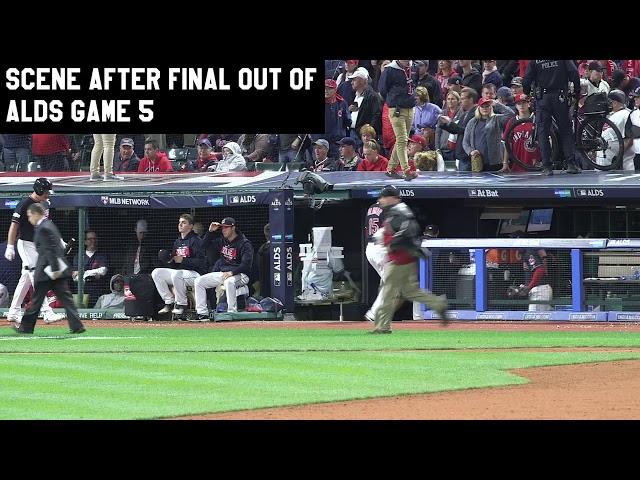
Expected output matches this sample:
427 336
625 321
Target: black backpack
142 287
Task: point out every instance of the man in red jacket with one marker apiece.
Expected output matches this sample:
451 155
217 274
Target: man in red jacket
51 151
154 160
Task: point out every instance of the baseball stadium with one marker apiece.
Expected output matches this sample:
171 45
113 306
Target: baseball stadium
251 291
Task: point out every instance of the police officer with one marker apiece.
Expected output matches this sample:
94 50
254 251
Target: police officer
552 79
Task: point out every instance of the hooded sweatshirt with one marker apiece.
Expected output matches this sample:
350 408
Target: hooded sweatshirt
233 162
236 256
398 88
113 299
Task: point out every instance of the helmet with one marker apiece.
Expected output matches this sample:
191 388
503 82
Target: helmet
390 191
164 256
42 185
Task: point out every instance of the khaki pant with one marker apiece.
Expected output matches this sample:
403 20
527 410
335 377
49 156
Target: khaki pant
103 146
401 282
401 127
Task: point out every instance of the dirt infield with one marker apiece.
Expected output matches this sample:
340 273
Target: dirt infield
604 390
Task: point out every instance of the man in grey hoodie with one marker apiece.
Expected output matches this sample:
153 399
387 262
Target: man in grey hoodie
115 299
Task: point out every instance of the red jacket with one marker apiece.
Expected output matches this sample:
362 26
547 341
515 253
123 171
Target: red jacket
49 143
162 164
367 166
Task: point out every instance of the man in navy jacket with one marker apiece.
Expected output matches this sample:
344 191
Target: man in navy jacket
232 268
185 263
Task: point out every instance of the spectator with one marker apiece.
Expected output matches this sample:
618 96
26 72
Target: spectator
184 263
622 81
292 147
206 157
373 161
398 92
366 107
138 258
491 73
344 80
154 160
95 268
594 82
126 159
489 93
377 73
619 116
138 143
445 141
16 152
633 127
516 86
253 147
232 160
505 97
115 299
51 151
457 125
521 135
426 80
508 69
445 72
322 162
218 140
483 136
336 117
349 159
470 76
425 117
367 132
454 83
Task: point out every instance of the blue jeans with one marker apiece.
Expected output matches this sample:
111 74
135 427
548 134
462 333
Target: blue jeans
464 165
16 159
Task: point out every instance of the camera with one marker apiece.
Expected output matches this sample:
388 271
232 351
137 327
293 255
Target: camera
313 183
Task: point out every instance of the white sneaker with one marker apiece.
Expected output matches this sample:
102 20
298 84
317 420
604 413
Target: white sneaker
95 177
166 308
56 317
110 177
369 316
235 310
15 317
178 309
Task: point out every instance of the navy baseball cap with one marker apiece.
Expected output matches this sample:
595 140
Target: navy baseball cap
205 143
127 141
347 141
635 93
228 222
390 191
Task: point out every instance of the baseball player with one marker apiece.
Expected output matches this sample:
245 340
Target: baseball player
538 288
232 268
185 263
376 252
22 231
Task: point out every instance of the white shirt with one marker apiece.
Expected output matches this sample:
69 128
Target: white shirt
354 115
635 120
619 118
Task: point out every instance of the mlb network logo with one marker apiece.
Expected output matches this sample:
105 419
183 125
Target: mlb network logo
104 199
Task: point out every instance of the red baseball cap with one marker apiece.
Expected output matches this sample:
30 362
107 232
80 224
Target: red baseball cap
521 97
418 139
482 101
330 83
352 61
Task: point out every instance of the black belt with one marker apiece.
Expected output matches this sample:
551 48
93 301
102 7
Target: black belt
30 269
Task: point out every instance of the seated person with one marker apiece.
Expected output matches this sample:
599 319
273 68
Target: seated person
115 299
95 268
349 159
126 159
139 259
254 148
232 160
154 161
232 268
373 161
206 157
321 161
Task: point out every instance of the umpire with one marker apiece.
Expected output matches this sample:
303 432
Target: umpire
50 254
552 79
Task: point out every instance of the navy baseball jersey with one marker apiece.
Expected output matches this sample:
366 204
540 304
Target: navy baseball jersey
374 220
20 217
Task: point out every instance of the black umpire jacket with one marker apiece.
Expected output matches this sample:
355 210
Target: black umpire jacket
48 242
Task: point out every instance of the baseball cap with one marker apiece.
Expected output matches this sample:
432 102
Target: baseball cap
228 221
617 77
347 141
455 80
141 226
431 231
482 101
127 141
359 72
635 92
353 61
421 62
389 191
330 83
205 142
418 139
521 97
595 65
618 96
504 92
322 142
516 81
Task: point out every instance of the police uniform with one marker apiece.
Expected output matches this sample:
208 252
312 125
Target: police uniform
552 79
376 252
27 251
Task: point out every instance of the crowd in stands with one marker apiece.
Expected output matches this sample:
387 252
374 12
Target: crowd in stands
461 111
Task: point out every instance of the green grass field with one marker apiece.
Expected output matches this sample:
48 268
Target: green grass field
153 373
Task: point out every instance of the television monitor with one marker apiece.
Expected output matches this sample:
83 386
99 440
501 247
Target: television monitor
513 225
540 220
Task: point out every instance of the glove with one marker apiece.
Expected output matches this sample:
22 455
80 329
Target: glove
63 243
88 273
512 292
10 252
164 256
